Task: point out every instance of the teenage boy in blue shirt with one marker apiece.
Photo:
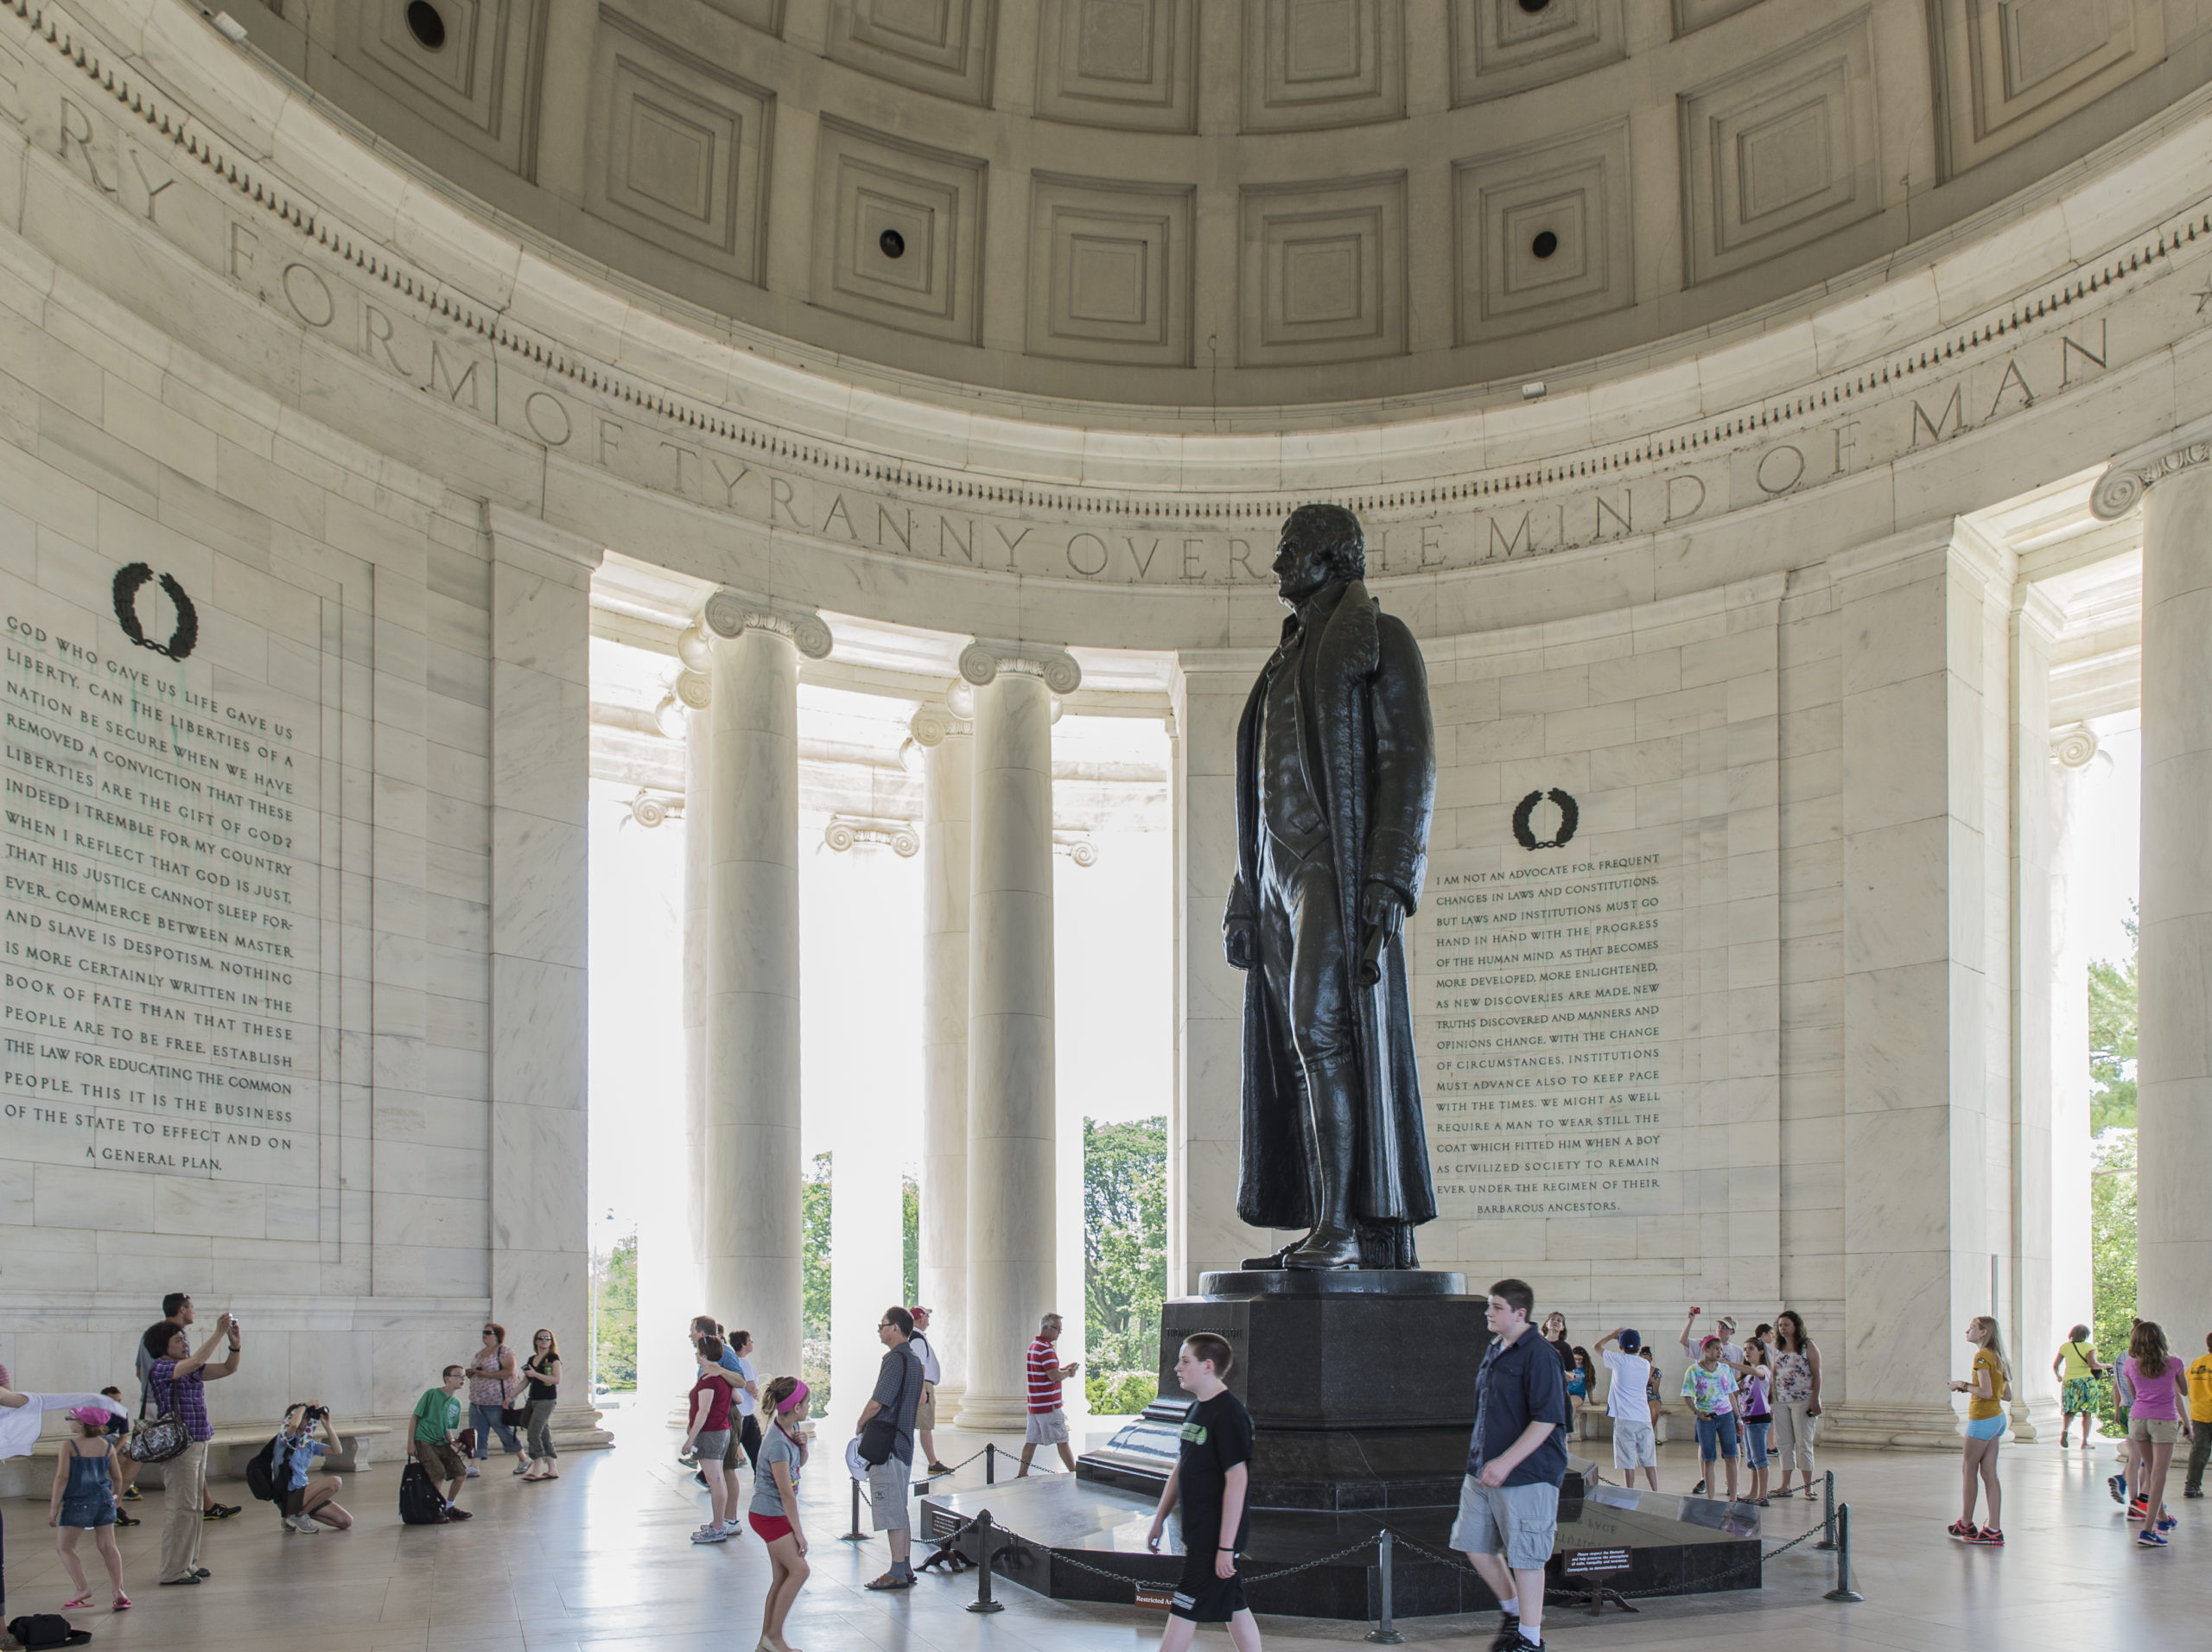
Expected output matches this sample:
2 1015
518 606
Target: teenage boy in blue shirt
1508 1503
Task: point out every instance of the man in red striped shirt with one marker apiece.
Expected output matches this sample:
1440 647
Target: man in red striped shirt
1048 1423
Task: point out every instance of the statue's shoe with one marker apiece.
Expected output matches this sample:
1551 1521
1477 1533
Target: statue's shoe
1325 1250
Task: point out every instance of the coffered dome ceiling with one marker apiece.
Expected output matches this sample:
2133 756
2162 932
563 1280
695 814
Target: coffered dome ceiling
1201 203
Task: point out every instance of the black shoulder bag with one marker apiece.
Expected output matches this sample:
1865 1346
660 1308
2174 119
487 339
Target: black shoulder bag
883 1432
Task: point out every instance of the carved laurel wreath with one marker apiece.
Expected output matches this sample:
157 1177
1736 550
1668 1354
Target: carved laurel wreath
1570 817
182 639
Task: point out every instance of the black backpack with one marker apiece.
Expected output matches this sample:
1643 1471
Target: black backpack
37 1630
419 1502
261 1473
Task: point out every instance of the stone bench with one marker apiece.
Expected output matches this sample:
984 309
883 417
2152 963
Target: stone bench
228 1453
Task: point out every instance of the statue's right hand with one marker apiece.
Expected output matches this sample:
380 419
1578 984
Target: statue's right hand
1240 944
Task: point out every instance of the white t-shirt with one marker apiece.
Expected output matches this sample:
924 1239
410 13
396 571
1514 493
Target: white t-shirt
930 1373
1625 1397
745 1404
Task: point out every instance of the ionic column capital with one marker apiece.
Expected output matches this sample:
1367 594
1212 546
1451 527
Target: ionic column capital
2075 747
729 613
2132 474
983 659
933 725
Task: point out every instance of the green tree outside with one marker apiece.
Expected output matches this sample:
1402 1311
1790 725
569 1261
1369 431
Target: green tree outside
1125 1260
814 1283
910 1194
2112 1157
615 1308
2111 1041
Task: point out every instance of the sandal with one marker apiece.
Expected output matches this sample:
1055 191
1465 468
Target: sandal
80 1603
886 1582
122 1603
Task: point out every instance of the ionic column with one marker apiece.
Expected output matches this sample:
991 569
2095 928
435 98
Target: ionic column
1011 1253
948 785
750 1253
2173 1069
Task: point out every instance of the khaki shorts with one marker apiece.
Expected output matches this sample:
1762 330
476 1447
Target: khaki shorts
1046 1429
889 1483
1632 1447
440 1460
1518 1521
925 1412
2156 1431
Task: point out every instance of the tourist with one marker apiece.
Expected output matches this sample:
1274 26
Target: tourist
429 1441
1554 1335
932 1374
492 1382
1710 1386
1756 1415
1517 1461
1578 1378
177 1380
1655 1391
176 1308
774 1509
542 1371
2154 1426
1631 1380
2077 1367
1793 1397
83 1499
745 1393
707 1437
1986 1390
885 1430
2200 1420
1723 1328
1211 1478
121 1463
1048 1422
307 1505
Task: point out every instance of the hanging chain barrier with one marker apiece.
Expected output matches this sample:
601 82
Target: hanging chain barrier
995 1544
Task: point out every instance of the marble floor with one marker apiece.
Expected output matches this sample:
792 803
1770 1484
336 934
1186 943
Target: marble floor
599 1560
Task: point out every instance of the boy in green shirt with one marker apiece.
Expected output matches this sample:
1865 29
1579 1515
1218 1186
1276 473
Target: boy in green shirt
437 1414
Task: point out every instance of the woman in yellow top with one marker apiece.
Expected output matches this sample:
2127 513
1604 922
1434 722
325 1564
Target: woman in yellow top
2077 1369
1986 1392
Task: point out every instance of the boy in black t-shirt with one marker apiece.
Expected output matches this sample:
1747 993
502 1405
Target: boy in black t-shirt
1212 1474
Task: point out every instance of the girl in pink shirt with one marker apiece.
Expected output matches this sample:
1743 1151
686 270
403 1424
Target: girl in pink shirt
2161 1387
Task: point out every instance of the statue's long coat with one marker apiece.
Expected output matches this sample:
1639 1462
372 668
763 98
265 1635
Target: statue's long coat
1364 731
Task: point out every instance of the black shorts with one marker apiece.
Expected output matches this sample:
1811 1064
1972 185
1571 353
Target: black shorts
1202 1597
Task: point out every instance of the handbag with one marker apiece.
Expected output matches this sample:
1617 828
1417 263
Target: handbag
515 1412
883 1431
158 1441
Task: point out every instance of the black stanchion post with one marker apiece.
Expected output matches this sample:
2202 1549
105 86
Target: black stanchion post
1383 1634
856 1536
1843 1591
990 1462
1827 1520
983 1602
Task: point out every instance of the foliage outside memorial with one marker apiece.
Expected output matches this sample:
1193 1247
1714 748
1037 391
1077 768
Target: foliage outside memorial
2112 1165
1125 1260
814 1282
614 1310
2112 1040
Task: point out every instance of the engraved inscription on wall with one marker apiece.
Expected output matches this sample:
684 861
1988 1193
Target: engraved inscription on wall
159 935
1547 991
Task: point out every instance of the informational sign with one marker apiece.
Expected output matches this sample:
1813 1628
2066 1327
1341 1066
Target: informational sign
162 857
1546 995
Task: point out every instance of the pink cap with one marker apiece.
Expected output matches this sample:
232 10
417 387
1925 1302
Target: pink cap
92 1416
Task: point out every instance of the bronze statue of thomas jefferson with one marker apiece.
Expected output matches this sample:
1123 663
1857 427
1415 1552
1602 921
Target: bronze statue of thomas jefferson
1336 778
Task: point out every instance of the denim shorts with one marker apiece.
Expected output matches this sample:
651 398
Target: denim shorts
1985 1427
1755 1440
1719 1431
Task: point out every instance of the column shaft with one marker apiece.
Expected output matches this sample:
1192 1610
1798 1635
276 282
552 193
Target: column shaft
948 785
2174 952
2072 1291
1011 1251
751 1196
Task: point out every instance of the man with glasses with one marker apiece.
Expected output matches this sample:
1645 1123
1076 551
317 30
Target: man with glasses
898 1395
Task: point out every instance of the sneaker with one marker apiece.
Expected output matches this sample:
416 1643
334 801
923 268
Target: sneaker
2149 1540
522 1468
1697 1490
2187 1493
131 1494
2117 1485
453 1513
2167 1523
710 1534
1990 1536
1508 1633
2137 1511
1964 1528
301 1524
121 1519
473 1473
